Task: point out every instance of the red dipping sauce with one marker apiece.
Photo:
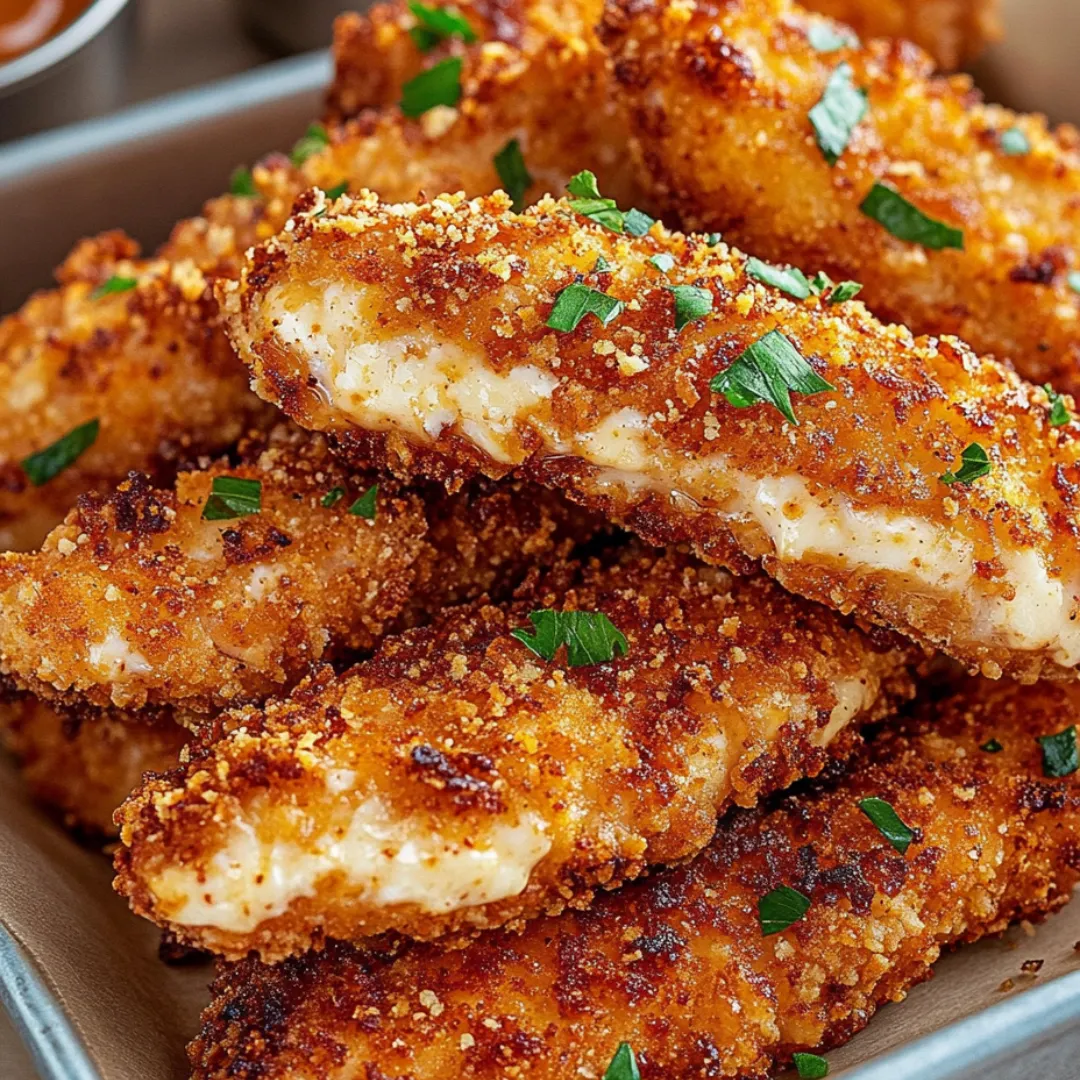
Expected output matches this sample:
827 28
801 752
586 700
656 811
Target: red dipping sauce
25 24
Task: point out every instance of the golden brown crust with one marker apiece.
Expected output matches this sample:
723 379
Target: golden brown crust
85 770
137 601
953 32
677 964
720 96
142 361
459 739
848 508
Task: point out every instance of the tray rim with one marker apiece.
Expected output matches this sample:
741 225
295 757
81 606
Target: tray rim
950 1053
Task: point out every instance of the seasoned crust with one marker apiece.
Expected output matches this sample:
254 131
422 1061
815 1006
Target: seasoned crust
953 32
705 81
677 964
85 770
509 785
143 361
136 600
848 508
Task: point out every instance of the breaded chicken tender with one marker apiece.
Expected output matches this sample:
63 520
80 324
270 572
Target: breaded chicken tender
678 965
85 770
138 600
139 360
913 482
720 98
461 779
953 32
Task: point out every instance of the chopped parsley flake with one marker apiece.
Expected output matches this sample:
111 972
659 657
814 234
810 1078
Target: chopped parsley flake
769 370
789 279
887 822
846 290
1014 142
691 302
439 85
838 113
1059 414
602 266
1059 753
365 506
907 222
975 462
434 24
820 282
713 238
42 466
232 497
115 284
637 222
992 746
1073 278
828 38
337 190
513 174
623 1065
810 1066
576 301
333 496
663 262
589 636
242 182
311 142
780 908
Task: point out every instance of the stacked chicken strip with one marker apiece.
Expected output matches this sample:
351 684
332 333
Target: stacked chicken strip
435 755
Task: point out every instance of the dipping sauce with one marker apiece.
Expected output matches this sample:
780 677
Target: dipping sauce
25 24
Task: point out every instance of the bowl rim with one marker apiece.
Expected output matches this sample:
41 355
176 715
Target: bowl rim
25 69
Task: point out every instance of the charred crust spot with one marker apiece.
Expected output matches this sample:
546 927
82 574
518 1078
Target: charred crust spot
469 777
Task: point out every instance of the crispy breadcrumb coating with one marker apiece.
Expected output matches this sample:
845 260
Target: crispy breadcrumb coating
677 964
142 361
419 333
457 780
953 32
85 770
720 97
137 600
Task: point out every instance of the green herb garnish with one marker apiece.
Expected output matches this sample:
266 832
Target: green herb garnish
713 238
789 279
846 290
439 85
1073 280
514 176
907 222
837 114
115 284
232 497
41 466
310 143
662 262
887 822
810 1066
623 1065
242 182
636 222
333 496
1059 414
992 746
1059 753
602 266
589 636
438 24
691 302
780 908
826 38
769 370
1014 142
588 202
365 506
975 462
576 301
337 190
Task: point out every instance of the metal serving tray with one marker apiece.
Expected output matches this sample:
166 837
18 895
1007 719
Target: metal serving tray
79 978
